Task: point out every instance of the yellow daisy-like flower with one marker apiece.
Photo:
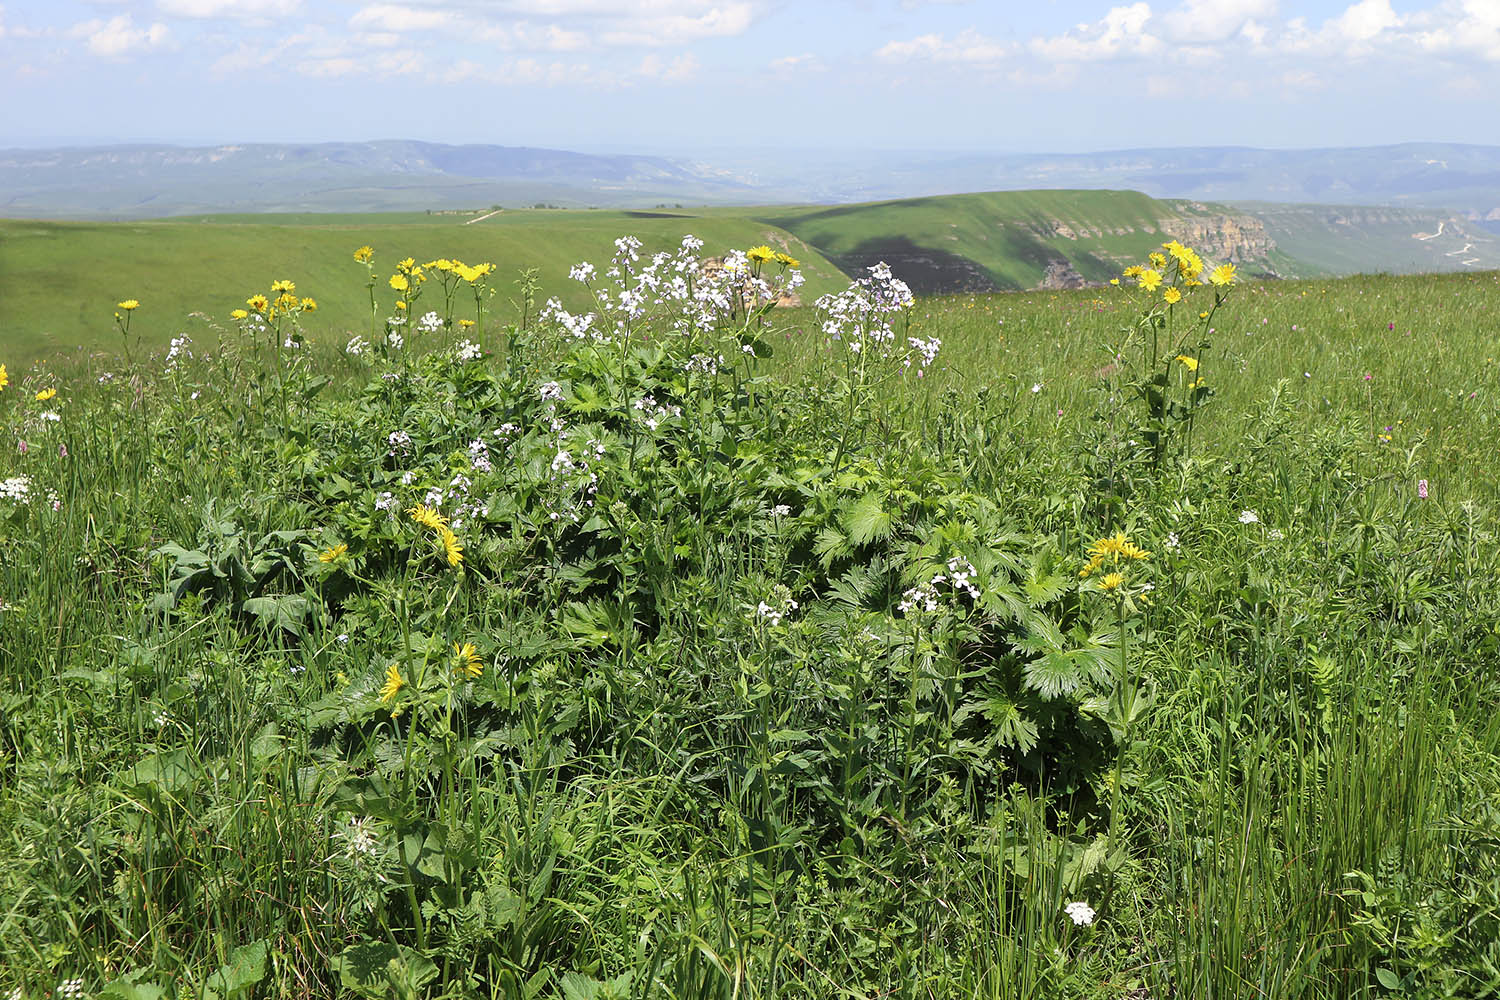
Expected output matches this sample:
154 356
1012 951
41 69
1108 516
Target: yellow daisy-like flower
364 254
283 286
1112 549
394 682
427 517
1203 314
401 304
309 305
761 254
45 395
4 377
1114 281
451 547
286 302
1172 296
1133 271
468 659
406 265
1150 279
465 324
129 304
469 274
333 553
1191 364
399 283
259 303
1111 581
787 259
1222 275
1158 261
239 314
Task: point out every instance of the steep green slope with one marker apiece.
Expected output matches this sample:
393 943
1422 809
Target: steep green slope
1017 239
59 281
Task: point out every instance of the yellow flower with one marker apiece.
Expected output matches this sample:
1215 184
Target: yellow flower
4 378
427 517
1133 271
787 259
399 283
1114 281
1203 315
468 659
1172 296
451 548
333 553
1150 279
309 305
1191 364
283 286
761 254
286 302
259 303
465 323
364 254
401 304
45 395
1111 581
407 264
239 314
1157 261
1222 275
130 304
469 274
394 682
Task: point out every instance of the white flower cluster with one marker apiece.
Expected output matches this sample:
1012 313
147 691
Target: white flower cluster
479 456
680 291
467 350
708 364
16 488
357 347
359 837
395 340
862 313
400 443
653 413
430 322
926 352
178 349
1082 914
926 597
778 604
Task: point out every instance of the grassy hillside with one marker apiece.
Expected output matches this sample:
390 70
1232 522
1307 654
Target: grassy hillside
595 671
1353 239
61 280
1005 240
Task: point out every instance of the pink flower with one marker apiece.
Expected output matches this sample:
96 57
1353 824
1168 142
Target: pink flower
1390 326
21 447
1422 488
62 451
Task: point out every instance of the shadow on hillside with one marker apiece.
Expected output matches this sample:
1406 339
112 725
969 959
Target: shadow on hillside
927 271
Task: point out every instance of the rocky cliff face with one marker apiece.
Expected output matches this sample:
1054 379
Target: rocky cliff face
1238 239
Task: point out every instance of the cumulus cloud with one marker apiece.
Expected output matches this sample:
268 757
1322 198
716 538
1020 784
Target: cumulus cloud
237 9
968 46
805 61
1120 32
119 35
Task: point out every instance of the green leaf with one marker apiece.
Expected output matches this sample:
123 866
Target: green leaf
127 988
245 969
1388 979
868 519
377 969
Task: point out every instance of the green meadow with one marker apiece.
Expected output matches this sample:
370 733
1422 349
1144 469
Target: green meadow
1079 644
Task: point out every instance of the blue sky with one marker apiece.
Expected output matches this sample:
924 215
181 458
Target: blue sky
682 76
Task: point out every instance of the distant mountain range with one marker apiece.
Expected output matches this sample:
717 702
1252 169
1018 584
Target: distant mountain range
140 181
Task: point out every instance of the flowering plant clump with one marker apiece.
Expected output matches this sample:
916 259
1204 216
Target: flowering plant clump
1170 339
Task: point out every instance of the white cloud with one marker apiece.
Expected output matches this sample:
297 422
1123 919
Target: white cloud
1215 20
654 67
1120 33
118 36
399 18
677 27
237 9
968 46
806 62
